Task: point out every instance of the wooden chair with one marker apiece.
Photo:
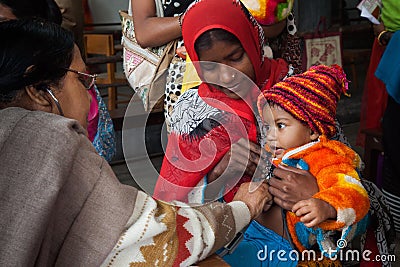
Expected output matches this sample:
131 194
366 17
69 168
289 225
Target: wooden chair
99 49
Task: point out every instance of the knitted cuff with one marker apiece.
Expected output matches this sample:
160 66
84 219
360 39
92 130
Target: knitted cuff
241 213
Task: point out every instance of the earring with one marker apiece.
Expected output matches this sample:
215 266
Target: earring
55 101
291 25
233 76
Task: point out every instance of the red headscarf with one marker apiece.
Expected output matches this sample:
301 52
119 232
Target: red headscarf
232 16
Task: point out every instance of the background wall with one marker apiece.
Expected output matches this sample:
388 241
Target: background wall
106 11
308 13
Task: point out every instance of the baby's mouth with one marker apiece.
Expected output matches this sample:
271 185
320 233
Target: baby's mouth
277 152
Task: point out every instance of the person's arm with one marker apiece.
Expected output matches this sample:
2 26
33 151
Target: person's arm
177 234
382 34
151 30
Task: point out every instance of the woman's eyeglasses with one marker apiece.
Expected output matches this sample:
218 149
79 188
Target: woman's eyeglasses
87 80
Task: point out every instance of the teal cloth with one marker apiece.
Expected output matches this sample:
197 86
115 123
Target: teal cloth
104 140
388 70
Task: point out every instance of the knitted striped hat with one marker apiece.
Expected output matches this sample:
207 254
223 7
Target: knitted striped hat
310 97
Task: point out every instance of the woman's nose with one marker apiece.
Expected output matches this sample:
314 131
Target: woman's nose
226 74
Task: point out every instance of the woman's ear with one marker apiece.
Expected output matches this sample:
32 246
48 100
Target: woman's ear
39 97
314 135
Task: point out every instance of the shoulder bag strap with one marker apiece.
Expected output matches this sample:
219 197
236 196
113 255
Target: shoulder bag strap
159 8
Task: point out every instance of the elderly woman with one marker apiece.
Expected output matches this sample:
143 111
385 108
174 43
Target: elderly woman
60 202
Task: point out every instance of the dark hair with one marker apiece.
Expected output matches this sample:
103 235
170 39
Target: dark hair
32 52
205 40
45 9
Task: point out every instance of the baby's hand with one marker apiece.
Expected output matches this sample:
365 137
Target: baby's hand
313 211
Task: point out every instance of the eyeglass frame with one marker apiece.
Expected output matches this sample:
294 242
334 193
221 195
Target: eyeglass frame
92 76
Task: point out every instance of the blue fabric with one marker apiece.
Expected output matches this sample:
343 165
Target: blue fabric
389 67
260 247
104 141
298 163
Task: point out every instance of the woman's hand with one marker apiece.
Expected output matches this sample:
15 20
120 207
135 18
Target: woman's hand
256 201
241 159
290 185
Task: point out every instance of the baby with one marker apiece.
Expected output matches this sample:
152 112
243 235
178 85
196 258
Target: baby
299 114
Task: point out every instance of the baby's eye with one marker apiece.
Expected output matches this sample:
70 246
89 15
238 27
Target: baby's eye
281 125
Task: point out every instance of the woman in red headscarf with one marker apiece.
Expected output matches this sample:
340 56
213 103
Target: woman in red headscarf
216 122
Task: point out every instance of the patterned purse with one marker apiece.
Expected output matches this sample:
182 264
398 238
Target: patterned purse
146 68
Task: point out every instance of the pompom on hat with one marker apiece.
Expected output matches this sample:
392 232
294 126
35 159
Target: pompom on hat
310 97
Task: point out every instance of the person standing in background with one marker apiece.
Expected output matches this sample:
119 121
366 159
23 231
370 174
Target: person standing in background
388 38
153 31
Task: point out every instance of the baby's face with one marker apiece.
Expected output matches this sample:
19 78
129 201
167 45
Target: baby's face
284 131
